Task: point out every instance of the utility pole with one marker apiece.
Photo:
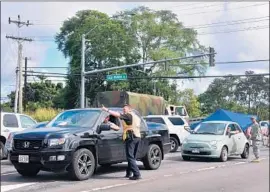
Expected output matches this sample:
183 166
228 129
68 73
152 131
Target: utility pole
25 83
19 77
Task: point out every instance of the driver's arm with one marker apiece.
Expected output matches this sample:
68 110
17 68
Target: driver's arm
113 126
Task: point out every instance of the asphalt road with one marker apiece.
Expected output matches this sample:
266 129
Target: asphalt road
174 175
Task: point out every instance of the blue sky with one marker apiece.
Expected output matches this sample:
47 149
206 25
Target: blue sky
47 18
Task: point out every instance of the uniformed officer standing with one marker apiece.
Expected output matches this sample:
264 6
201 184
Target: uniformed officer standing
256 137
131 137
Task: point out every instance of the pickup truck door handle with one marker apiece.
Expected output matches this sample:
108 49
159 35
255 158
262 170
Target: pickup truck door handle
6 130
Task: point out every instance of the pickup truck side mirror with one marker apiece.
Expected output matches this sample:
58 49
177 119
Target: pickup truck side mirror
103 127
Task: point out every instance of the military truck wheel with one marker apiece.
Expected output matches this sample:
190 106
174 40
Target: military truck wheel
83 165
2 150
28 171
174 144
245 153
153 158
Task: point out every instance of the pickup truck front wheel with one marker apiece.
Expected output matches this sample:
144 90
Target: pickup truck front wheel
153 158
82 165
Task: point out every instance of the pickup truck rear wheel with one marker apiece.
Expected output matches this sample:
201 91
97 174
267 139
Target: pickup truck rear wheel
28 171
82 165
174 144
153 158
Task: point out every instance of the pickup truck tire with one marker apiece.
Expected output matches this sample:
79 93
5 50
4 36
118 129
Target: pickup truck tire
2 150
153 158
174 144
28 171
82 165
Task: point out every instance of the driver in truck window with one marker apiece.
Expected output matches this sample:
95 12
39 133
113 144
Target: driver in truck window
112 125
131 137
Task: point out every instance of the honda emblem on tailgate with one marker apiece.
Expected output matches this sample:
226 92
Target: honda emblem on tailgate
26 144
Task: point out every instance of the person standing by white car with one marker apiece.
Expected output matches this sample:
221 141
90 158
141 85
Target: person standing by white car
256 137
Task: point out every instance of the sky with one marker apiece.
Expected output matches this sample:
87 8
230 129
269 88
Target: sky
248 43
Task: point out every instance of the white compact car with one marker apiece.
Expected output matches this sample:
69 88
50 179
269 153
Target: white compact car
177 125
10 123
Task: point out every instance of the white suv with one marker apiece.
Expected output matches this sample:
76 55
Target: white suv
10 123
177 125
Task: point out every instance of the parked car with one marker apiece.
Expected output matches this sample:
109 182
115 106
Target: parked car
216 139
177 125
77 141
265 127
12 122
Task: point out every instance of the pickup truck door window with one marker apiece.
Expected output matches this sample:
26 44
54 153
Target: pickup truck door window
26 122
111 146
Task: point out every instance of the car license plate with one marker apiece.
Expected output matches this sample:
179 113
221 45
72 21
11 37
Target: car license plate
195 151
23 159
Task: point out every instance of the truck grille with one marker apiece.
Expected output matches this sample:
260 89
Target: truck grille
27 144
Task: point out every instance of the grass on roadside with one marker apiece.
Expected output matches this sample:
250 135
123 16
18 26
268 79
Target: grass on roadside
43 114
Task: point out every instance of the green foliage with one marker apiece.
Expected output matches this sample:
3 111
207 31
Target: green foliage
245 95
44 94
138 35
190 101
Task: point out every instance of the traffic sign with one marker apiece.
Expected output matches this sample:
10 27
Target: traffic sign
116 77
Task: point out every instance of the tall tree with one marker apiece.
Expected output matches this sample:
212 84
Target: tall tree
134 36
190 101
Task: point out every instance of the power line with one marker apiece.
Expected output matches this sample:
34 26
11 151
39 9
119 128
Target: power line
254 5
230 21
48 67
232 31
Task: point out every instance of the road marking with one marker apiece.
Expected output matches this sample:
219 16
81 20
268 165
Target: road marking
206 168
15 186
238 163
12 173
167 175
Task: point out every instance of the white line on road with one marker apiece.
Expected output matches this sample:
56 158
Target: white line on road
15 186
12 173
206 168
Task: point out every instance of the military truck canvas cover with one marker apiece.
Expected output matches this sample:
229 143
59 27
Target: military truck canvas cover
145 104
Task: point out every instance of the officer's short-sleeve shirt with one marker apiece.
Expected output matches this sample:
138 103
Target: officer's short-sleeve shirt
127 118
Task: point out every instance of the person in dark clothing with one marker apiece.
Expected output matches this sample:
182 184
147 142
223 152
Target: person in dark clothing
131 137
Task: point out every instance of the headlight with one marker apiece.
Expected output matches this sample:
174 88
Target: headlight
56 142
213 142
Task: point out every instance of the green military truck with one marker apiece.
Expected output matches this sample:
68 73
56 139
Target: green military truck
145 104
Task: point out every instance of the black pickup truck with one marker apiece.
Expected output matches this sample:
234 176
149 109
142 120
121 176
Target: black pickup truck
78 141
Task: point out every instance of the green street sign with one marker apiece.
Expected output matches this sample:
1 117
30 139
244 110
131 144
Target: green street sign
116 77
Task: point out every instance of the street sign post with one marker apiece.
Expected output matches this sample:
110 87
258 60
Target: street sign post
116 77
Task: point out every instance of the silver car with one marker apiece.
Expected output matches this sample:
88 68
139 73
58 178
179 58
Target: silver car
216 139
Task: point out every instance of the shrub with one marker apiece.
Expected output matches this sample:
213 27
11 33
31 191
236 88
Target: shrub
43 114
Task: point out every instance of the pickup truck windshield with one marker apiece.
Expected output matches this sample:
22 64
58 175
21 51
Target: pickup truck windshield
210 128
78 118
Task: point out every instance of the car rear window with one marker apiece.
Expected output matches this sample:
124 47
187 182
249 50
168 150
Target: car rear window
176 121
155 120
